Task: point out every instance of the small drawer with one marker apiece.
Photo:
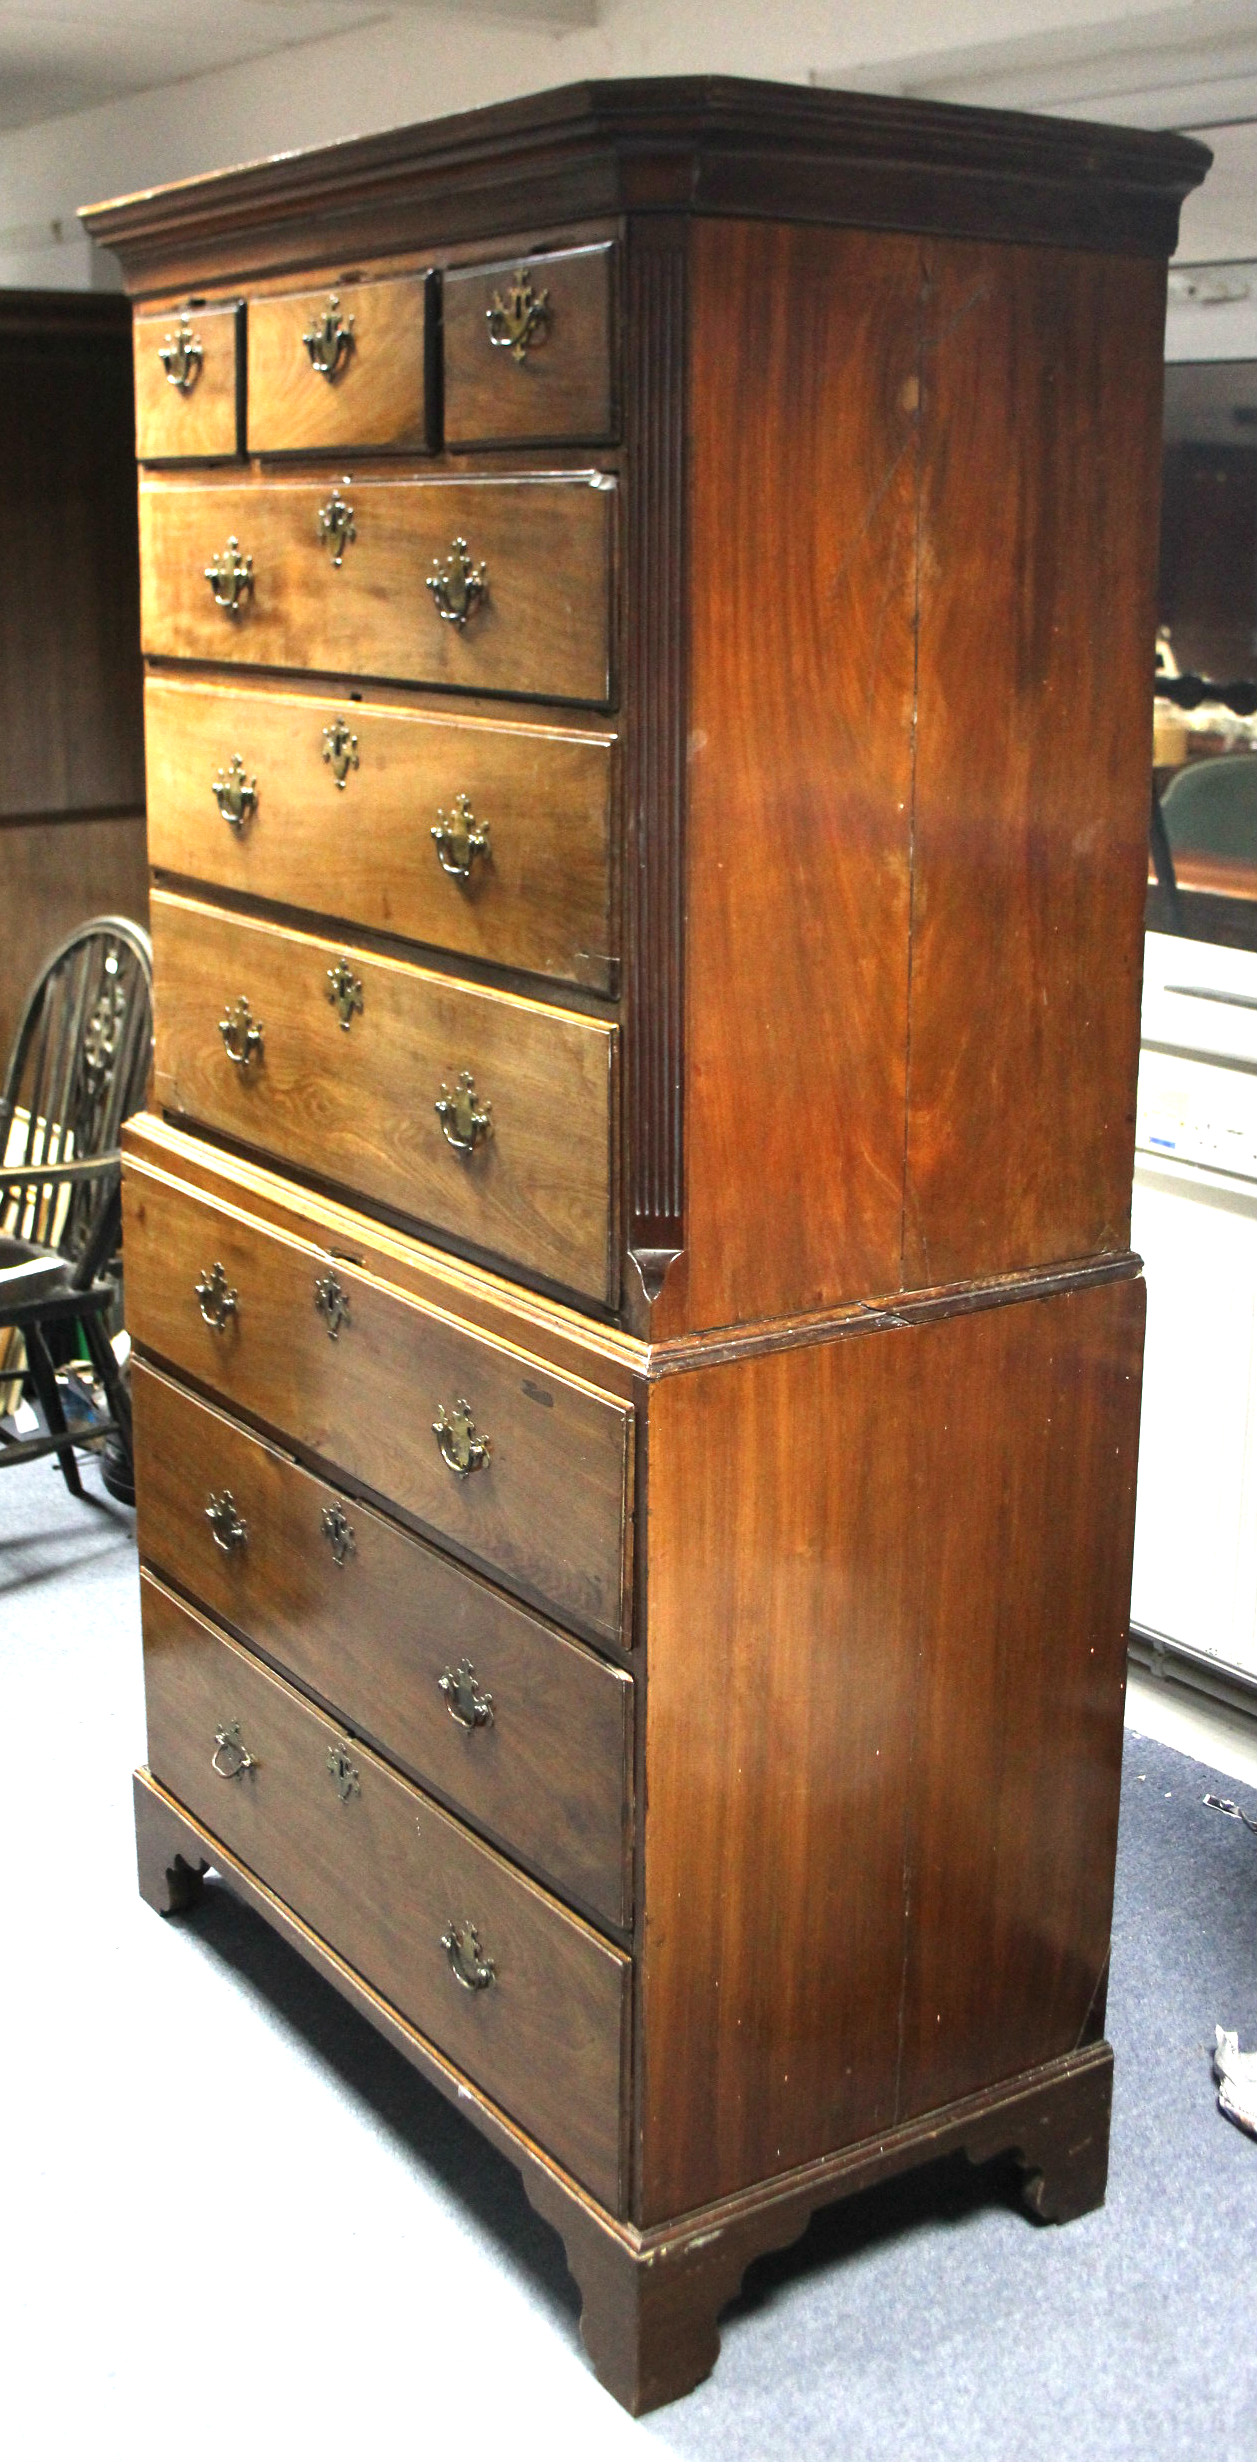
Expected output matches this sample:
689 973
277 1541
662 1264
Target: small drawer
489 839
524 1997
528 350
529 1476
189 384
343 369
486 585
524 1731
484 1115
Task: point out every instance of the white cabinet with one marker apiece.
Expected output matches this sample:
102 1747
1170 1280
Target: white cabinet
1195 1576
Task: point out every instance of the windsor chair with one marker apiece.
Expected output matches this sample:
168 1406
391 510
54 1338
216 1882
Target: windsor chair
79 1066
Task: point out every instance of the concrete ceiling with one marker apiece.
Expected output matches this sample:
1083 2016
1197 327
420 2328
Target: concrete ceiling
65 55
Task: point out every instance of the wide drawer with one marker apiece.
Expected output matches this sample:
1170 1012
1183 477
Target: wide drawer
528 357
357 1373
335 805
342 369
527 1733
539 549
189 384
522 1995
338 1061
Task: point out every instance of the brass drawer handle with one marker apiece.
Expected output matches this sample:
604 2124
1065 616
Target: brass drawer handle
229 1527
456 1437
336 525
338 1531
219 1298
463 1120
344 990
235 795
458 586
340 750
341 1768
230 577
332 1304
227 1740
462 1947
242 1034
519 322
459 840
330 339
467 1705
181 356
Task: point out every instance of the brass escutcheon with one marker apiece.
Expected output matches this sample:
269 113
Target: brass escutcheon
520 321
467 1705
342 1770
338 1531
330 339
229 1527
242 1034
230 577
336 525
459 1446
332 1304
462 1947
344 990
218 1297
181 356
459 840
227 1740
235 795
340 750
463 1121
458 586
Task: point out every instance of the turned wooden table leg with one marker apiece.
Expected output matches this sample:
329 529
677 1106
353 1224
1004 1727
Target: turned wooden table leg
168 1880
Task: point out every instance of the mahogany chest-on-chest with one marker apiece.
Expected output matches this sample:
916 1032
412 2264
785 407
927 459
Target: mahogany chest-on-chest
647 599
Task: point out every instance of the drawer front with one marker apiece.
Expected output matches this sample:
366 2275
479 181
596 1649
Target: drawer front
341 368
546 1512
525 1732
528 350
332 805
386 1879
533 587
351 1056
189 403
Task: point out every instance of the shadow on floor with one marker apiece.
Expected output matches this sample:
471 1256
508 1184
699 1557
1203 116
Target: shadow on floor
456 2159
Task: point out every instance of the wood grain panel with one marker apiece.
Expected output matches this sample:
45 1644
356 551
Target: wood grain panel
376 399
782 1663
357 1104
1032 1427
548 1775
563 385
548 1512
802 555
889 1579
540 900
55 874
544 629
206 422
383 1875
71 720
1038 562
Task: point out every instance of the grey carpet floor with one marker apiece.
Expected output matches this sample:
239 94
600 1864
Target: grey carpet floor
236 2224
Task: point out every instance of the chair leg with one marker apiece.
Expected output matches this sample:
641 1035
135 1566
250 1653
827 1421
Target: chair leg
116 1396
44 1380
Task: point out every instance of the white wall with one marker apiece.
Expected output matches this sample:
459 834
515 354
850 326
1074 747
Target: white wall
423 61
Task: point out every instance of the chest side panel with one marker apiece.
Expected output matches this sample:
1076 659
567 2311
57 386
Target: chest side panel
1040 485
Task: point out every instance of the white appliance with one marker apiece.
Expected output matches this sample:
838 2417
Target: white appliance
1195 1225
